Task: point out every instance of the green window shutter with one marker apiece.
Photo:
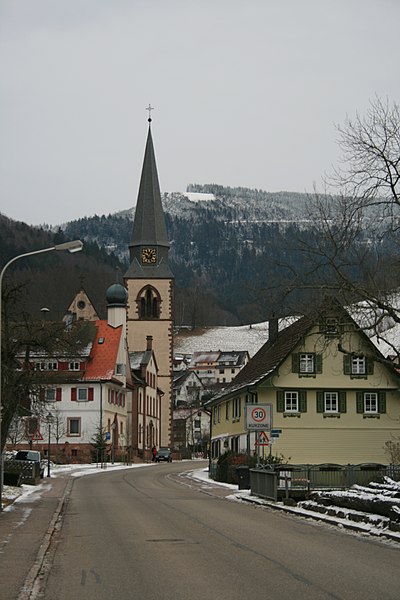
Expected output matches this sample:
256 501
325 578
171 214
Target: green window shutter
381 402
342 402
318 363
347 364
295 363
303 401
369 367
360 402
320 402
280 401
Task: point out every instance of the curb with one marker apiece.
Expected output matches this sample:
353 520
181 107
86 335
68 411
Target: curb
352 526
31 585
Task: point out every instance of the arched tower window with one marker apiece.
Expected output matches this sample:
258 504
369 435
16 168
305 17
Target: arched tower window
148 302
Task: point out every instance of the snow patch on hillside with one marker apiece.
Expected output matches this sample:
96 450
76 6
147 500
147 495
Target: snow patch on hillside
226 339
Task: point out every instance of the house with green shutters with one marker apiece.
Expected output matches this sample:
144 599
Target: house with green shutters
334 397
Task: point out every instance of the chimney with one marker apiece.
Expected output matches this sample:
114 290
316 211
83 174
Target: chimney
149 341
273 330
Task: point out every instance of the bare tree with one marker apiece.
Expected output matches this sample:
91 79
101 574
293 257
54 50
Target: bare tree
24 342
352 251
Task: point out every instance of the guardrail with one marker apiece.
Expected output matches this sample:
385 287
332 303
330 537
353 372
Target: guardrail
271 481
297 480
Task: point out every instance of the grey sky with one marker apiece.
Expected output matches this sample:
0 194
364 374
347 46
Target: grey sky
246 93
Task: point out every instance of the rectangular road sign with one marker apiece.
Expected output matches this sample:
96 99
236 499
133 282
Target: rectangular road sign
258 417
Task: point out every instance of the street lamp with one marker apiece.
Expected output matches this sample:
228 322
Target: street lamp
49 420
113 427
74 246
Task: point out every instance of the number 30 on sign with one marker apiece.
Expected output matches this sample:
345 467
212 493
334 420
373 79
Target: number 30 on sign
258 417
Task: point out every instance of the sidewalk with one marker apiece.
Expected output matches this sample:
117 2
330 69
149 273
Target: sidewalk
28 522
26 527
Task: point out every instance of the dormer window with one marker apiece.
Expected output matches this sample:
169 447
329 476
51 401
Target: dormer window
74 366
46 366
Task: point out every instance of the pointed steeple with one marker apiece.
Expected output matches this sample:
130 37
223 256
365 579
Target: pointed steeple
149 245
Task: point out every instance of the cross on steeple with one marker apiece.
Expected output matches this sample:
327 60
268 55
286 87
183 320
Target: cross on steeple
149 108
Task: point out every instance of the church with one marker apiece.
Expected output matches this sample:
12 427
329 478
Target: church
149 282
121 384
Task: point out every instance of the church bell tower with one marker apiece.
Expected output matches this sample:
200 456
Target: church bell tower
149 282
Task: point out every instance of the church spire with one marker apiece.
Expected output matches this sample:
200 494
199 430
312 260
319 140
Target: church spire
149 245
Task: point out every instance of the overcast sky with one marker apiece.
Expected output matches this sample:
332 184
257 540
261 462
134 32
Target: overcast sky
246 93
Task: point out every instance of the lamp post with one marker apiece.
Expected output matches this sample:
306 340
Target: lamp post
74 246
113 427
49 420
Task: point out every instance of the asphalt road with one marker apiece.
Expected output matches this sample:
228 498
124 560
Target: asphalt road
150 533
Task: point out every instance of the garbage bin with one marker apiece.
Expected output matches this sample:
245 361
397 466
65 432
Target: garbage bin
243 475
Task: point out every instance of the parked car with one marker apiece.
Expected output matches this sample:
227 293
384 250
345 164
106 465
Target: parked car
31 456
164 454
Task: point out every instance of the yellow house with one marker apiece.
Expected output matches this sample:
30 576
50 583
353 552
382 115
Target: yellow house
334 397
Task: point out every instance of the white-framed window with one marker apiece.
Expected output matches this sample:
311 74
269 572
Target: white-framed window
74 366
120 369
358 365
227 410
82 394
307 362
291 402
51 365
73 426
236 409
370 402
331 402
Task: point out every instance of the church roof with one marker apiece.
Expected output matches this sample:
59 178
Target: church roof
149 227
149 224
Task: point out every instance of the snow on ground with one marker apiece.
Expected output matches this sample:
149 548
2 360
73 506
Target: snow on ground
27 493
198 196
252 337
242 337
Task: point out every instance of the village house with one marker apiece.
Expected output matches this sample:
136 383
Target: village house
191 431
188 389
215 367
334 397
147 398
86 394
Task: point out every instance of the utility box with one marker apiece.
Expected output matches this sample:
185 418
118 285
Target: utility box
243 475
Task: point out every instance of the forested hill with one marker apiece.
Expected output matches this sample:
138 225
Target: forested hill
52 279
226 242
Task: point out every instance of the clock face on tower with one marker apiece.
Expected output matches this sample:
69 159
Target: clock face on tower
149 256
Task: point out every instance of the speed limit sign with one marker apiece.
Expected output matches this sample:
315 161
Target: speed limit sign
258 417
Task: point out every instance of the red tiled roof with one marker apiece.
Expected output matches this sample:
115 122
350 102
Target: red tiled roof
101 364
